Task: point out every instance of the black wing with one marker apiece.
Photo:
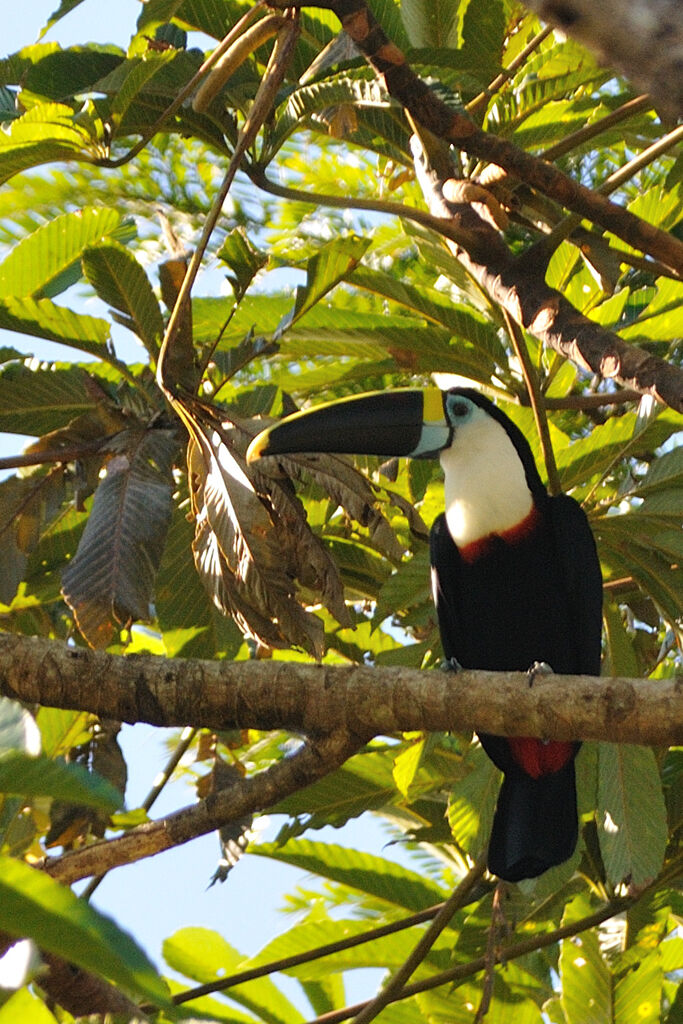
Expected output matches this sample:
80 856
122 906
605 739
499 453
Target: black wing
580 566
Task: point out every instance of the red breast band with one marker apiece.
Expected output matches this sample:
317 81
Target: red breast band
484 545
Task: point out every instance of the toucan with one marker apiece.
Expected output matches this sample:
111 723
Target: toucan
515 577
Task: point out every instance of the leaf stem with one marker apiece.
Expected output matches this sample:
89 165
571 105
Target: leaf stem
537 400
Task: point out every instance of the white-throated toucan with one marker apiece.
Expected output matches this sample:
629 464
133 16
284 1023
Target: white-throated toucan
515 576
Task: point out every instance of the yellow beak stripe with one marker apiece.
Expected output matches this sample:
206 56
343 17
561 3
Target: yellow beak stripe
432 405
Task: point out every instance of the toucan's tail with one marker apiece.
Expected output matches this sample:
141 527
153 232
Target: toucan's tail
535 824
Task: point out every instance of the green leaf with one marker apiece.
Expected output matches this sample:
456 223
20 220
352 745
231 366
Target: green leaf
388 951
586 979
472 803
462 321
243 259
44 134
138 74
380 878
364 783
64 8
25 1007
46 262
24 775
205 956
330 265
66 73
407 587
665 472
34 906
638 996
432 25
632 824
118 279
45 319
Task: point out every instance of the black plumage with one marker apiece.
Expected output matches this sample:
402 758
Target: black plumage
516 580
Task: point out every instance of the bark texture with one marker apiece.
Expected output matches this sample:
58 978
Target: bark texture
322 700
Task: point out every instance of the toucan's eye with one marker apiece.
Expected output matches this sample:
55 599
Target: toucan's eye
459 409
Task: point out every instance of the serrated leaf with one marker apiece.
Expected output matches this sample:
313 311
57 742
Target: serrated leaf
434 25
330 265
64 73
118 279
32 905
45 262
472 802
632 824
110 580
138 73
380 878
407 587
406 766
431 304
665 473
44 134
42 318
388 951
363 783
64 8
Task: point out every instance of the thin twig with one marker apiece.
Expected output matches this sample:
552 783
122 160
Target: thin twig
187 89
589 131
274 74
390 991
657 149
593 401
537 400
504 954
497 918
66 453
475 105
285 963
186 738
563 229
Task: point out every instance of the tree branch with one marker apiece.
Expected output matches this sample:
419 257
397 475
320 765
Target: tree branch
359 701
457 128
518 285
246 796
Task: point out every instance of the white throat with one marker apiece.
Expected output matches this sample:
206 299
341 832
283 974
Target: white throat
485 485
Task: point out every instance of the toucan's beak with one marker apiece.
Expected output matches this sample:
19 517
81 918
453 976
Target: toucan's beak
408 422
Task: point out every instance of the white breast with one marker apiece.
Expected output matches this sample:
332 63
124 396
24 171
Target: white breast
485 486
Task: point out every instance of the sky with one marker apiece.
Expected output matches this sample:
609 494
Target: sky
155 897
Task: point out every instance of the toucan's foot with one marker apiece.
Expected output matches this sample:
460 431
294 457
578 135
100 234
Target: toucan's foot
451 665
539 668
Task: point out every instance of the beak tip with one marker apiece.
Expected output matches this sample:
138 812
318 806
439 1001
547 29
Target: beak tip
258 447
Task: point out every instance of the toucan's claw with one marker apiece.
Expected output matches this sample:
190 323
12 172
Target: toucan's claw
451 665
539 668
